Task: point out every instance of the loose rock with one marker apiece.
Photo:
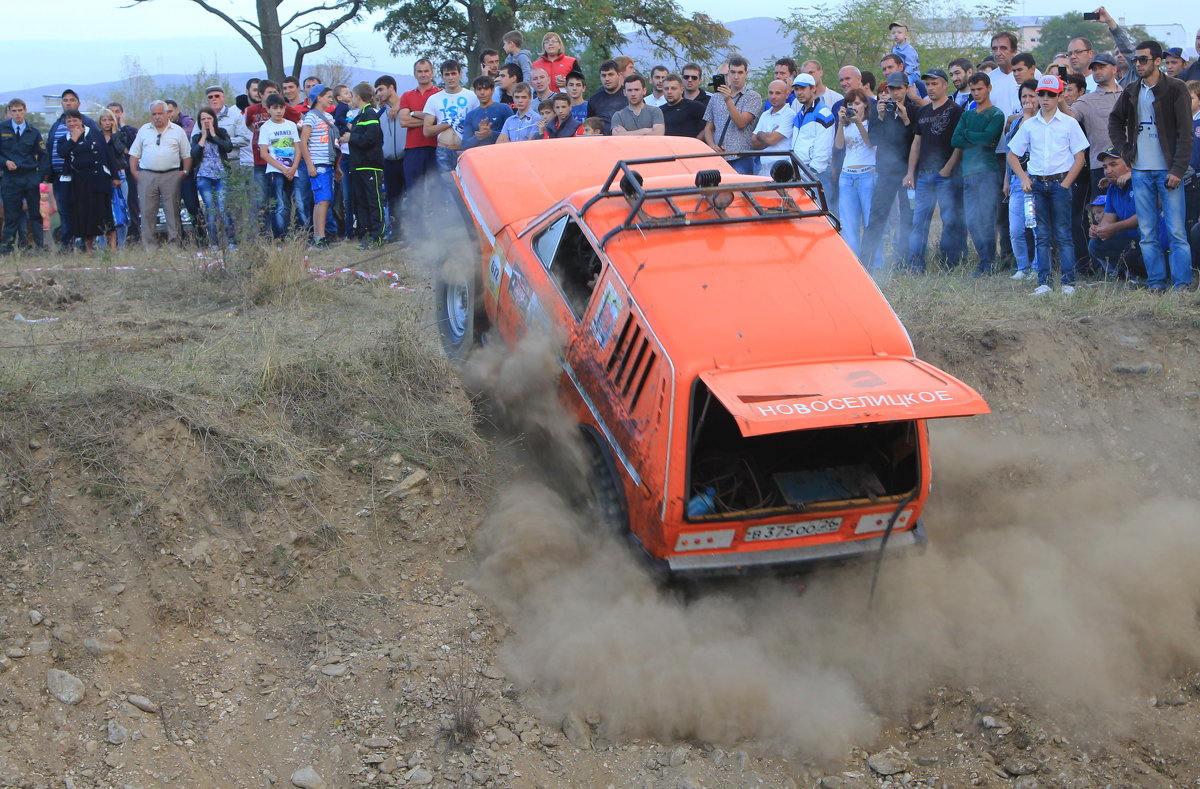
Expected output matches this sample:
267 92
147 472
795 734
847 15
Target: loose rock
577 731
63 686
308 778
377 742
889 762
1020 767
419 776
36 618
99 647
142 703
117 733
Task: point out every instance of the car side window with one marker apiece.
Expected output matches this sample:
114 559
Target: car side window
571 259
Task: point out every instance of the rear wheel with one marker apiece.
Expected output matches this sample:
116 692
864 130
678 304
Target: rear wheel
603 494
460 316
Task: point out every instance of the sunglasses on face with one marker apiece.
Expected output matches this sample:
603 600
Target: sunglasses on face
691 76
1142 59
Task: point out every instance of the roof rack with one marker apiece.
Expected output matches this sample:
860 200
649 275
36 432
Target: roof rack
629 186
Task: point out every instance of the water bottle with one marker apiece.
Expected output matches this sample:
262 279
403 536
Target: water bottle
1030 214
912 197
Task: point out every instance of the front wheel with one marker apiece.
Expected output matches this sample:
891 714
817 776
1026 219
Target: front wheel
459 314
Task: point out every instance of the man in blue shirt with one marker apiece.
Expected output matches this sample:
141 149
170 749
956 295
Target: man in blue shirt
483 123
1114 239
25 162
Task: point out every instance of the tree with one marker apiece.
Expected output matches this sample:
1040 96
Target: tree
464 28
855 32
1057 32
267 33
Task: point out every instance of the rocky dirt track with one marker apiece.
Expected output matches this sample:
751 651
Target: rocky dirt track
243 547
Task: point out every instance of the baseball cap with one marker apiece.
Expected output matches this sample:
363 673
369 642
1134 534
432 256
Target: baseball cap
1050 83
936 73
1103 57
1174 52
897 79
315 91
1100 200
804 79
897 24
1110 153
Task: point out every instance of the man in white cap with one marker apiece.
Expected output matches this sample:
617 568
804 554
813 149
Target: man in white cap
815 128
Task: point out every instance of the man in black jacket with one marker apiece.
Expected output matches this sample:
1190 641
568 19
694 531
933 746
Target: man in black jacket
892 130
365 139
25 161
1151 127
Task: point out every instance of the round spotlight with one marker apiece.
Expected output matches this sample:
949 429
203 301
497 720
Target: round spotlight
628 189
782 172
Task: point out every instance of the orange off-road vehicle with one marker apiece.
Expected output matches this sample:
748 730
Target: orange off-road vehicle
750 398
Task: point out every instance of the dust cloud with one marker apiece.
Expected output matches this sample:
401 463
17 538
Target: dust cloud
1051 578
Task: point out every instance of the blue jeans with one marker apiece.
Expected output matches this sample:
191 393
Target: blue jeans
933 189
302 193
981 199
212 192
1016 223
1149 190
1053 206
854 207
262 191
280 204
745 165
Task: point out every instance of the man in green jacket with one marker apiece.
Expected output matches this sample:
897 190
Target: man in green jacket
976 134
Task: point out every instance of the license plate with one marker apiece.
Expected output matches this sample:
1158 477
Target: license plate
784 531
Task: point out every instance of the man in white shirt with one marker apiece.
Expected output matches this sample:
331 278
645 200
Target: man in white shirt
1055 144
657 75
160 158
446 111
1006 92
826 94
773 132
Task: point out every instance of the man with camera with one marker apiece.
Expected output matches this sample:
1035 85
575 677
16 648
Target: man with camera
892 127
730 115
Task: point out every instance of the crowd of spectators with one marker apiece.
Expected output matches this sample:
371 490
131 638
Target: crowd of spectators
1084 163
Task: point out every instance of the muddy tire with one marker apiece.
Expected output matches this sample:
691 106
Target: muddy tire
460 316
603 495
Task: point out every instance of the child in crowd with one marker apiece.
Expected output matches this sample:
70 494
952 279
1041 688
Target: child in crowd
576 87
564 123
546 111
900 46
277 141
1055 144
514 44
592 127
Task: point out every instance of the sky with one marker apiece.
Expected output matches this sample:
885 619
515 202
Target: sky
177 36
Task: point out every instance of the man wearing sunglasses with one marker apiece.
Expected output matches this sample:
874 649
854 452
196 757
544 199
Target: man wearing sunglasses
691 84
1151 127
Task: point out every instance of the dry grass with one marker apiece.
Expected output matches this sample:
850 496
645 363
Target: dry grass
952 303
267 368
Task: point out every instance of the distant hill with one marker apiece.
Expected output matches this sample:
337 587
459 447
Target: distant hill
97 93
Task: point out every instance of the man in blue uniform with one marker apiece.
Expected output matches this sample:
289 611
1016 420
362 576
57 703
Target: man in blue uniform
25 162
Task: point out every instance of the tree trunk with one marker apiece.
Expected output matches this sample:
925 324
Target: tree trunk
271 37
487 28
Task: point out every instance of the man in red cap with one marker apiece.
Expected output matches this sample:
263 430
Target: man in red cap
1055 144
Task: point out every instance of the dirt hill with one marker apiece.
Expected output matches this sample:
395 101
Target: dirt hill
253 533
